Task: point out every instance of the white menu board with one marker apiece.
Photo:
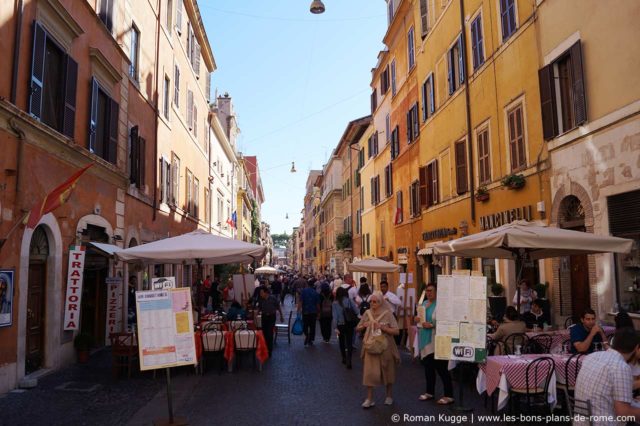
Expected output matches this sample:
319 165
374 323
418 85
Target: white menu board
165 328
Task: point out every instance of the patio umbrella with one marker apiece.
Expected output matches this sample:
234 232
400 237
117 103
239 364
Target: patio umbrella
194 247
266 270
372 265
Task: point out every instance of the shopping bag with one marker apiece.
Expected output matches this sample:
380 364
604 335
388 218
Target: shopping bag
297 325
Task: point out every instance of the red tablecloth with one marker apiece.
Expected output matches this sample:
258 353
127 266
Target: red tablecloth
561 364
262 352
513 367
197 337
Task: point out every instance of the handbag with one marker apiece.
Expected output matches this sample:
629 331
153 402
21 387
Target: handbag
297 328
376 343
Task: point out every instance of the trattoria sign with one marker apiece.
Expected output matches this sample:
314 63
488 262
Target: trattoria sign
74 288
502 218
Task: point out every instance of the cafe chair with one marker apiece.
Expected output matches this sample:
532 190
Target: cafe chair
568 322
283 328
540 344
571 369
579 407
513 340
245 342
213 343
534 397
124 351
237 325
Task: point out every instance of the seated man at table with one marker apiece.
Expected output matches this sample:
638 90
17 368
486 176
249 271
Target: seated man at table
512 324
236 312
605 379
536 316
586 334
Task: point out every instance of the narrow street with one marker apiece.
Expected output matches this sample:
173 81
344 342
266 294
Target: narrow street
298 386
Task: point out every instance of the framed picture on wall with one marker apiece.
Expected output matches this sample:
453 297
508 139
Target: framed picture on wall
6 297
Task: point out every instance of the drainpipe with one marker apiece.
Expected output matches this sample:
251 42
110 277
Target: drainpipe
16 54
157 111
472 201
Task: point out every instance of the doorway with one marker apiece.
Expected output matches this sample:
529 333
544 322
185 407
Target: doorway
36 306
580 294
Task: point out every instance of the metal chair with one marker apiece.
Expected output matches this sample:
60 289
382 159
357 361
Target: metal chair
245 342
213 343
536 390
513 340
578 407
123 352
568 322
284 329
540 344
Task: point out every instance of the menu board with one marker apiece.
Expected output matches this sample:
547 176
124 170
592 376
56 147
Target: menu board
461 313
165 328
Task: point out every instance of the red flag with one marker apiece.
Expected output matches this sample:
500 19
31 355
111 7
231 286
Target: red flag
54 199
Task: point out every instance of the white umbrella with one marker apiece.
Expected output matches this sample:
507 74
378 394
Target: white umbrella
372 265
267 270
194 247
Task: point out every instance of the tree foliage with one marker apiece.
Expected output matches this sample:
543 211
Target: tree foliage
280 240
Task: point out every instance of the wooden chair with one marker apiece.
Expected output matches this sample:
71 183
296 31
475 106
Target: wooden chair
513 340
535 394
124 351
282 328
539 344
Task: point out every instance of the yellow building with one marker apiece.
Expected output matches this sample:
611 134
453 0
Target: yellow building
367 208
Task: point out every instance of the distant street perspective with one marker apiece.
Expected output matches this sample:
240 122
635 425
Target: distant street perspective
221 212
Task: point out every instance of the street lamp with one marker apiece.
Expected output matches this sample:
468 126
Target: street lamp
316 7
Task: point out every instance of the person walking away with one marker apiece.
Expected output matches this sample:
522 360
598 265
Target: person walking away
426 346
309 305
379 368
299 284
326 301
268 305
362 300
605 380
345 314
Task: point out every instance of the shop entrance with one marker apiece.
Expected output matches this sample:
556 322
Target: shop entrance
93 311
36 306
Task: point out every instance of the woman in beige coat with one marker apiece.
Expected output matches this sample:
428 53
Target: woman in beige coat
379 369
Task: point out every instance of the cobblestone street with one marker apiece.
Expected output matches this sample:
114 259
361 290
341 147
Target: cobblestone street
298 386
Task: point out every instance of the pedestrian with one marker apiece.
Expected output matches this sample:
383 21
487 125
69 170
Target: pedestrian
390 296
426 346
526 295
268 305
326 299
362 300
379 362
309 305
346 317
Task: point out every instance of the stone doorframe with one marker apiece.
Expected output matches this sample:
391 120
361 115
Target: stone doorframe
578 191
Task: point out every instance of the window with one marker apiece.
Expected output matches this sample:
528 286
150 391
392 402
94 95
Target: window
189 191
413 124
134 52
387 128
165 173
382 236
175 179
106 13
358 221
484 160
207 206
395 143
196 198
462 183
562 93
136 157
516 139
390 10
103 126
411 60
165 106
54 76
176 86
455 61
374 101
414 200
169 10
393 78
399 211
428 98
476 42
375 190
429 185
507 18
373 144
190 109
388 181
195 120
179 16
384 81
424 16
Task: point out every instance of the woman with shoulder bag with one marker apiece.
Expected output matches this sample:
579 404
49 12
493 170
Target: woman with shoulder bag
379 350
344 312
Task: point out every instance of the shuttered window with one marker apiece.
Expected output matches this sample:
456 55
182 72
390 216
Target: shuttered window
384 81
424 17
190 109
387 128
179 16
393 78
106 13
196 198
516 139
189 193
413 124
175 179
388 184
424 184
399 210
414 199
395 143
477 45
176 85
624 211
103 124
484 160
411 60
137 157
374 101
507 18
432 183
462 184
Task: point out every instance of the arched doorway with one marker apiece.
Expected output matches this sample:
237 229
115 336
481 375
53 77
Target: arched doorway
36 300
575 269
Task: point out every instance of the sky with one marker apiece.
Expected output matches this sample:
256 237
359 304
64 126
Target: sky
296 80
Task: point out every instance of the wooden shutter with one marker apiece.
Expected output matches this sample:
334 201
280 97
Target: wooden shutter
424 17
179 16
548 102
416 121
190 109
93 117
409 127
195 120
450 72
579 95
374 101
37 70
372 191
197 60
461 59
176 95
432 97
423 192
70 85
134 155
461 168
142 149
114 109
434 182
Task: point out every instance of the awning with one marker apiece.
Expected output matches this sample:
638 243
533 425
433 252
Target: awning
108 249
428 249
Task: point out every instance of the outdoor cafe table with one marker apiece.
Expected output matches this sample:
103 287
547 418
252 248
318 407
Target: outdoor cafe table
559 336
504 372
262 353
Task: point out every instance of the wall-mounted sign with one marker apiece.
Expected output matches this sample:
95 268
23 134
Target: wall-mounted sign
438 233
502 218
163 283
114 306
74 288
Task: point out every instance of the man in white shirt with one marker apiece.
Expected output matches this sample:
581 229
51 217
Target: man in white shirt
390 296
605 379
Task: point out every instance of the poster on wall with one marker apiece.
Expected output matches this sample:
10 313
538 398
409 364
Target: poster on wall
165 328
461 311
6 297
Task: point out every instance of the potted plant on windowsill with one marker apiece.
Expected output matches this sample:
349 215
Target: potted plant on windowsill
83 342
514 181
482 194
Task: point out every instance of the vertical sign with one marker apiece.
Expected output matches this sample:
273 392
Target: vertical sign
114 306
74 288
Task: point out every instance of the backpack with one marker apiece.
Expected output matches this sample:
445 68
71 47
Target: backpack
325 308
350 317
364 306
